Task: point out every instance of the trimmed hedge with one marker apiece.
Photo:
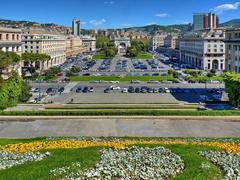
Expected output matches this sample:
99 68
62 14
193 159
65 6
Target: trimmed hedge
123 113
117 78
122 107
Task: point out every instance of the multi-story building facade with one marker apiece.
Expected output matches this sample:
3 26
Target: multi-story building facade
203 50
205 21
157 41
74 46
76 31
51 44
89 43
233 50
171 42
10 41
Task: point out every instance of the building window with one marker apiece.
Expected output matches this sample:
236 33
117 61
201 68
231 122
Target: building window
7 36
209 65
0 36
13 37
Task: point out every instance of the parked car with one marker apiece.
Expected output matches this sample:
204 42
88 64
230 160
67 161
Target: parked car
61 89
137 90
78 90
131 89
107 90
125 90
49 90
85 90
115 88
90 89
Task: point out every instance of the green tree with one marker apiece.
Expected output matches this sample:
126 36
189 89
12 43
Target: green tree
25 95
232 86
10 91
102 42
132 51
110 51
75 69
8 58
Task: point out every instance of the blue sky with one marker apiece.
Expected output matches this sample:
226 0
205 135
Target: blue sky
116 13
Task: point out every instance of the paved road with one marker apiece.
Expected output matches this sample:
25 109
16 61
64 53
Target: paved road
26 127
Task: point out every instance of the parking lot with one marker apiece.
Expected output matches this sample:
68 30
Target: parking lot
116 66
126 92
134 91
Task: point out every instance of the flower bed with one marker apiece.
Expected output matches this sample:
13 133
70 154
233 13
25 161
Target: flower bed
9 159
228 162
69 144
128 163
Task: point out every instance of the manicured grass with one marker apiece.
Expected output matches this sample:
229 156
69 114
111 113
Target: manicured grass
122 112
205 78
196 167
144 56
100 56
121 107
117 78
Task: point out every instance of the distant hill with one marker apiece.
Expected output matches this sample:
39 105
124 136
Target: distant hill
231 23
152 29
25 23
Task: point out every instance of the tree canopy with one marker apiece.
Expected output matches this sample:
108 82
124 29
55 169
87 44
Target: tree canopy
31 57
232 87
8 58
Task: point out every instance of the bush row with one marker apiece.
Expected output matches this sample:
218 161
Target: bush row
122 113
123 107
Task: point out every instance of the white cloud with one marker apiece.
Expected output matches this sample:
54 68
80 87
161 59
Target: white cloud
186 22
97 22
109 2
126 24
227 7
152 23
83 23
161 15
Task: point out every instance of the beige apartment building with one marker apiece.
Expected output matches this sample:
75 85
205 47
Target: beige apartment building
203 50
171 42
157 41
233 50
53 45
89 43
74 46
10 41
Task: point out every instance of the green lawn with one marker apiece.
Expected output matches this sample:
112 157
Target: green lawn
205 78
117 78
88 157
100 56
144 56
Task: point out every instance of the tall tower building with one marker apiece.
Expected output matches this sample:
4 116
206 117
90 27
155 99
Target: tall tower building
205 21
76 31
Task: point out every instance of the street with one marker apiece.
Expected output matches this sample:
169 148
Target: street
28 127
